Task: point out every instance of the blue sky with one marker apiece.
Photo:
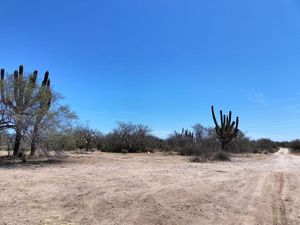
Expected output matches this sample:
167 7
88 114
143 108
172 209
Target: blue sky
164 62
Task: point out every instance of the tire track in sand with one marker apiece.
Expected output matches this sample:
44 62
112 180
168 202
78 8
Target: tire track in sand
271 208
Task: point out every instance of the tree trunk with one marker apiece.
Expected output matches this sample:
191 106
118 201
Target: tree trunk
88 144
17 142
224 146
34 140
33 146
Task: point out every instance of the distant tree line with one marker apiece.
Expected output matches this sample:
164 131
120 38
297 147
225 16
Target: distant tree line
32 118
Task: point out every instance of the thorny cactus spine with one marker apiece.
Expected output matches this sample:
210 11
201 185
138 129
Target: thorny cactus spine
228 130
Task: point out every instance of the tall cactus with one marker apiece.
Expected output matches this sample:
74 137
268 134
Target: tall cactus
228 130
20 95
184 138
44 100
18 101
6 120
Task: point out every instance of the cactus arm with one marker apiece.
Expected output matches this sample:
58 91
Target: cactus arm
237 125
21 87
21 79
31 85
223 125
227 130
214 117
232 126
2 85
46 77
221 117
229 121
16 89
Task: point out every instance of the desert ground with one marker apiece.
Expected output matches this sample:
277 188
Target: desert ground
106 188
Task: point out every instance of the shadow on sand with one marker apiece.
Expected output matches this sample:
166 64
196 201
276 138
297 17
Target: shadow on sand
16 162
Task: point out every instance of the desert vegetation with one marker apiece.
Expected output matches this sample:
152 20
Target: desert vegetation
32 118
149 112
294 146
107 187
31 110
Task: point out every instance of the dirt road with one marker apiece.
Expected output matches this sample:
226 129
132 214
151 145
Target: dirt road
268 193
142 189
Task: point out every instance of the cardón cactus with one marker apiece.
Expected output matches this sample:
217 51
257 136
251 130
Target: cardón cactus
44 100
18 101
228 130
25 98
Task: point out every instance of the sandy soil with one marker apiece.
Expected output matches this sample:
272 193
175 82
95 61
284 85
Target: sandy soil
142 189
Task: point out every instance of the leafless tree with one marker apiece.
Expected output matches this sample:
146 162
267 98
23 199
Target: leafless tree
84 136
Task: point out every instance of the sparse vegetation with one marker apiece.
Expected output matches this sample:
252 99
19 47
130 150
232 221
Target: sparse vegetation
34 112
30 109
265 144
220 156
21 97
143 140
295 146
84 137
133 138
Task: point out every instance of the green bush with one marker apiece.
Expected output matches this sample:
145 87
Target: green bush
61 141
241 144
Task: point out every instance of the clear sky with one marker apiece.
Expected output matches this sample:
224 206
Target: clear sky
163 62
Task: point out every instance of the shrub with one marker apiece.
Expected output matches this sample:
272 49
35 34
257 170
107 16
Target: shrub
265 144
200 132
98 140
60 141
153 142
189 150
134 138
196 159
200 152
181 139
295 146
256 151
221 156
242 144
124 151
84 137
